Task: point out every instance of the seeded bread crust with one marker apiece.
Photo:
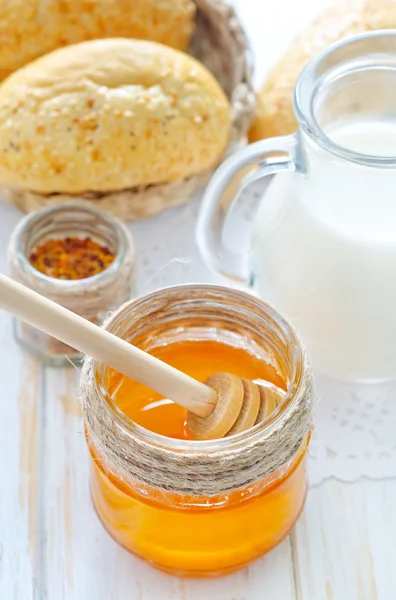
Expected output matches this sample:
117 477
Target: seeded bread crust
110 115
274 115
32 28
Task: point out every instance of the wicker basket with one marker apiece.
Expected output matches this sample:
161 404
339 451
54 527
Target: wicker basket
220 43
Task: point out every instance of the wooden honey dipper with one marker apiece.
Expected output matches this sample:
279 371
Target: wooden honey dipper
225 404
241 403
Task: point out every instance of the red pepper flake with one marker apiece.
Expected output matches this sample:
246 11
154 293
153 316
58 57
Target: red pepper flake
71 258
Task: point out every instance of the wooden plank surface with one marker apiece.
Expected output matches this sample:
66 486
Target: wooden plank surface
344 546
20 454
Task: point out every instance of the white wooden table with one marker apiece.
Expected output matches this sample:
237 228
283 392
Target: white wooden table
52 546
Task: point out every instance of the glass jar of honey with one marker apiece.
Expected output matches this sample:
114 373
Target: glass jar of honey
199 508
95 265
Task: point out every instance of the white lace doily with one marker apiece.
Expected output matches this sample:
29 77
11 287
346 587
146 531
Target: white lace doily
355 433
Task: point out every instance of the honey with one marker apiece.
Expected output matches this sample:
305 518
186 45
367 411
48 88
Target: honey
221 536
184 534
199 359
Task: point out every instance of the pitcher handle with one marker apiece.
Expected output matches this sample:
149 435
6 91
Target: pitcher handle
236 173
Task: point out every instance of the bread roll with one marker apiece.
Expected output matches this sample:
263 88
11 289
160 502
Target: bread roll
275 100
31 28
110 115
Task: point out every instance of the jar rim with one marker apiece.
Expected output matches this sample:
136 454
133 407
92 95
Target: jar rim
124 243
295 388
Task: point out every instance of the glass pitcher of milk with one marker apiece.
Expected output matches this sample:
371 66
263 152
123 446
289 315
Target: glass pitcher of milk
323 247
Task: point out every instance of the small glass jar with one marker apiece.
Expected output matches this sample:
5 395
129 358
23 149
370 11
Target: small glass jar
200 508
91 298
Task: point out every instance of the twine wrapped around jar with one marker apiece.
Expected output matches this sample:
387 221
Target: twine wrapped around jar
194 468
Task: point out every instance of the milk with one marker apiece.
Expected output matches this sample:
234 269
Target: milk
324 254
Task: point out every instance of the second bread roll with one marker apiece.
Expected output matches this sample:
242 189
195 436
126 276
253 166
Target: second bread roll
31 28
275 114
